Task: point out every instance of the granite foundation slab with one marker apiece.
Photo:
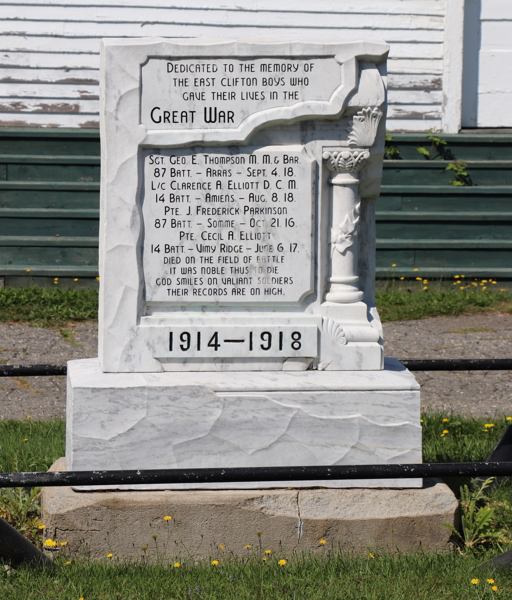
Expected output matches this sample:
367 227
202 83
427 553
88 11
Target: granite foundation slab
242 419
292 520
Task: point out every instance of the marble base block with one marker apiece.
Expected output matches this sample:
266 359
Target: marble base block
242 419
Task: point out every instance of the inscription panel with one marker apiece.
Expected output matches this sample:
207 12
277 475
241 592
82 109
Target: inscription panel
228 225
189 93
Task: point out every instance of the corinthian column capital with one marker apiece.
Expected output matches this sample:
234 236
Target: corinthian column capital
346 161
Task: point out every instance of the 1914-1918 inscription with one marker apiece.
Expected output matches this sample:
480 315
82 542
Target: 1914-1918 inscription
223 92
227 225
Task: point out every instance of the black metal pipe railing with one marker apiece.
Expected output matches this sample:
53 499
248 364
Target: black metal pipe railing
454 364
248 474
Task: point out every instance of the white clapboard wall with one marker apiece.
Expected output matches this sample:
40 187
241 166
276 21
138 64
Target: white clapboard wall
49 49
487 91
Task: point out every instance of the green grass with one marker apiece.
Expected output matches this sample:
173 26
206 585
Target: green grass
55 307
333 575
43 307
399 305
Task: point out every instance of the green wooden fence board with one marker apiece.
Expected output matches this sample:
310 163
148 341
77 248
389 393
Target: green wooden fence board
441 216
3 172
447 244
447 190
49 141
49 159
51 199
50 213
426 173
49 227
30 255
473 203
48 241
450 230
51 270
460 147
50 185
53 172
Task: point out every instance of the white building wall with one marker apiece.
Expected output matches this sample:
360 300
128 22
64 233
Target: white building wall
49 49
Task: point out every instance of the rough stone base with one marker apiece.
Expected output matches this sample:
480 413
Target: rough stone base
96 523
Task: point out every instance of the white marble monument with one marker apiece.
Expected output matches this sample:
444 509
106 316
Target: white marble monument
237 264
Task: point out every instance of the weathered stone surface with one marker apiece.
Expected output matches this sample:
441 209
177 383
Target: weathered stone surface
96 523
191 420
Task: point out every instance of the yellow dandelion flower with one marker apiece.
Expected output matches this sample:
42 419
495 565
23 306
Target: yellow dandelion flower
416 269
494 282
29 416
144 548
442 435
475 581
41 526
489 425
268 552
109 555
502 290
259 533
97 278
463 276
393 265
27 270
495 588
421 420
154 537
76 279
474 283
49 543
446 431
425 281
485 287
455 282
322 541
215 563
248 546
63 543
283 562
418 278
222 547
484 280
491 581
167 518
370 555
68 563
445 420
425 287
509 418
176 565
402 278
25 439
456 276
263 558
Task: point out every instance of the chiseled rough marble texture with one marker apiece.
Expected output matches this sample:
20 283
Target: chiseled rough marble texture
129 325
200 420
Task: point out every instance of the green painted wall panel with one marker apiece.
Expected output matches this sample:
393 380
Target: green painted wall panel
435 172
49 199
469 230
53 172
49 227
36 255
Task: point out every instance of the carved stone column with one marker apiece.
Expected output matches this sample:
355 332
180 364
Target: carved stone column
345 165
346 205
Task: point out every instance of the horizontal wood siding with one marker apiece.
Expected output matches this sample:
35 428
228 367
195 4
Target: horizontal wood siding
49 207
50 49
